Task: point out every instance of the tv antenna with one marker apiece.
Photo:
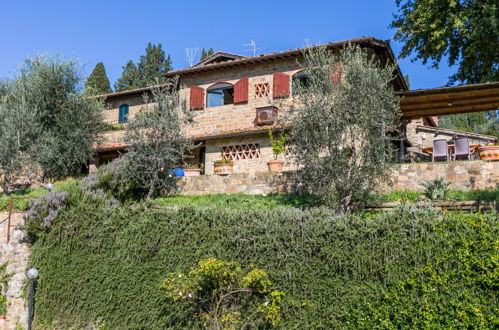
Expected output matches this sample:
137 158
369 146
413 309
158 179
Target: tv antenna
190 54
253 47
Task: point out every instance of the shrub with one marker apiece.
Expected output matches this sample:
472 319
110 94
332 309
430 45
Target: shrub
225 296
278 145
102 265
436 189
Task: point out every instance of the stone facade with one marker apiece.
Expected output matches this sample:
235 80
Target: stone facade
421 136
16 255
254 165
466 175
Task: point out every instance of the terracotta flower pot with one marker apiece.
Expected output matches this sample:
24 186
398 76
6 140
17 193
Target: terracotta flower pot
275 165
223 168
3 317
489 152
192 172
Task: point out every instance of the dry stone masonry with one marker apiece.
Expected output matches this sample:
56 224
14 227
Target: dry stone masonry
465 175
15 254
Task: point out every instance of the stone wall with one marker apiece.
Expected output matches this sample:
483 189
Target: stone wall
16 255
244 183
471 175
463 175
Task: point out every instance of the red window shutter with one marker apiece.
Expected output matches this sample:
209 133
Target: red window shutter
281 85
241 91
197 98
336 74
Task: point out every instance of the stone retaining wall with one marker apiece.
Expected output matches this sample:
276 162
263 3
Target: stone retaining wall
16 255
469 175
463 175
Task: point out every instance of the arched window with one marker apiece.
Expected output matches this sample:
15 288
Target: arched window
220 94
123 114
299 79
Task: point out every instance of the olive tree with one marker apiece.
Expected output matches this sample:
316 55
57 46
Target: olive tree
342 114
64 122
15 162
157 144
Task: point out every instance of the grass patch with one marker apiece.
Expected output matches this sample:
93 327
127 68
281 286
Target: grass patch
452 195
240 201
23 204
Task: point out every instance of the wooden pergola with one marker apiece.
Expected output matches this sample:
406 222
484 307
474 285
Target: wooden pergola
449 100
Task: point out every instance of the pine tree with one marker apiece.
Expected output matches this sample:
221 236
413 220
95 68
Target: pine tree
98 82
152 65
129 78
148 72
210 52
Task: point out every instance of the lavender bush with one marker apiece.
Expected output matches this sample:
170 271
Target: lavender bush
43 211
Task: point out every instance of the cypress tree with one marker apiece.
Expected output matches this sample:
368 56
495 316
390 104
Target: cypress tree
203 54
129 78
98 82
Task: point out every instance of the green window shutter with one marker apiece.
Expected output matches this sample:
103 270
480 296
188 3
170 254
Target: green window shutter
123 114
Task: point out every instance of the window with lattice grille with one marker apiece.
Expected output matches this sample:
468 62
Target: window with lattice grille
241 151
262 90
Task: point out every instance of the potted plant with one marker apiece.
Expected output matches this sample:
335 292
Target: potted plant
278 147
193 169
223 166
490 152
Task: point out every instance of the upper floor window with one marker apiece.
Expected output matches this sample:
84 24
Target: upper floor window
123 114
300 79
220 94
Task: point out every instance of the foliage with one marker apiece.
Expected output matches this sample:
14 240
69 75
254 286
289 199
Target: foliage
61 123
15 128
239 201
436 189
30 193
102 265
457 290
4 280
42 212
98 82
478 122
340 130
225 296
157 145
453 195
206 53
147 72
129 78
223 161
278 145
112 179
464 31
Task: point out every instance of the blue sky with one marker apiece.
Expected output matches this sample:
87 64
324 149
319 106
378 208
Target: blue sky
114 32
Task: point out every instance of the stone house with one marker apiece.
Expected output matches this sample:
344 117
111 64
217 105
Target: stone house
236 99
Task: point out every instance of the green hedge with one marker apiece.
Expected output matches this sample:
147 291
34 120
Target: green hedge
103 266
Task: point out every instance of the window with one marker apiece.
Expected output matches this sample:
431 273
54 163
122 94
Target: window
123 114
241 151
300 79
220 94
